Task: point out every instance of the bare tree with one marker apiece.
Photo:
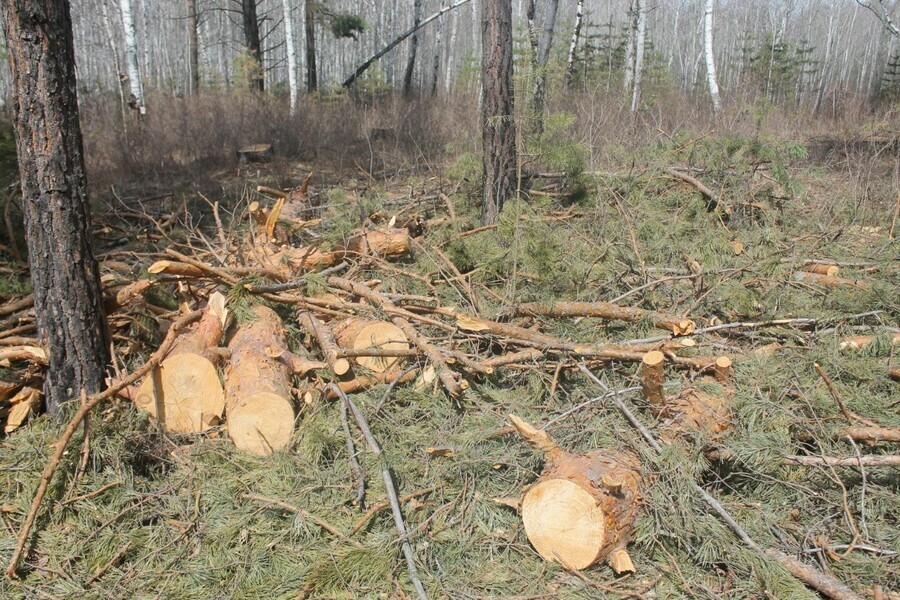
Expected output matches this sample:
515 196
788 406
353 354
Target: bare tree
710 60
640 36
193 25
250 25
543 54
309 20
880 10
498 125
64 274
136 100
413 46
291 53
576 33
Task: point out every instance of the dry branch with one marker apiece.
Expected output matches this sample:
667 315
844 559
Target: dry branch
324 336
357 334
712 201
607 310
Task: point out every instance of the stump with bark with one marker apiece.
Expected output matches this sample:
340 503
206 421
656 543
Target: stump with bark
581 509
184 394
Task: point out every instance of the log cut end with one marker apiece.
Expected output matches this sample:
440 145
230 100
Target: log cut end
187 391
564 523
359 334
261 424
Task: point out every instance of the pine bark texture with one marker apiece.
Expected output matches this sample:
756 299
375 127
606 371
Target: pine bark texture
67 297
250 24
309 23
499 129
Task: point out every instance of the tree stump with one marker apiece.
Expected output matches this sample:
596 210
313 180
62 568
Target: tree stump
581 509
255 153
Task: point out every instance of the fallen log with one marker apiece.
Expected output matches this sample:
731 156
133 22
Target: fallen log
829 280
866 434
857 342
184 393
581 509
360 334
324 336
607 310
822 269
13 354
260 411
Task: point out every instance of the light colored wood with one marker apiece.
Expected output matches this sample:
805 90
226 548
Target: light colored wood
653 375
606 310
255 153
724 370
620 562
693 411
857 342
260 413
822 269
380 242
184 393
325 338
357 334
829 280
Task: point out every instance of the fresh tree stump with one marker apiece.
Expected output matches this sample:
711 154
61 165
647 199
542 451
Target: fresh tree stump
653 376
260 412
184 394
255 153
582 507
358 334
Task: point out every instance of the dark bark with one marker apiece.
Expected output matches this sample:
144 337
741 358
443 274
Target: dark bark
312 78
250 23
499 129
543 54
65 278
413 46
194 45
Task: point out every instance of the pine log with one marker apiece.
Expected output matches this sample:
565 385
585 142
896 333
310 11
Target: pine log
184 393
358 334
867 434
365 381
894 374
607 310
260 411
582 507
822 269
829 280
325 338
857 342
380 242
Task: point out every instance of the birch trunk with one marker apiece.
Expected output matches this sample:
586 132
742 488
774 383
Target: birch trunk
639 53
413 47
543 54
291 53
629 46
576 33
131 57
710 60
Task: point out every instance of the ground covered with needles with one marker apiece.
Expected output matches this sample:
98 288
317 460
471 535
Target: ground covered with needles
156 515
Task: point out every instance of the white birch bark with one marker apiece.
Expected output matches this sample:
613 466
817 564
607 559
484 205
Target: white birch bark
710 60
639 53
573 44
291 53
131 56
629 45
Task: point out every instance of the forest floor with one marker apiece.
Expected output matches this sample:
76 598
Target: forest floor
157 515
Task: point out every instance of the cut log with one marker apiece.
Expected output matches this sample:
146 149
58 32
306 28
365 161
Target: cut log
325 338
255 153
724 370
380 242
169 267
184 393
861 341
606 310
582 507
358 334
260 412
23 405
822 269
894 374
829 281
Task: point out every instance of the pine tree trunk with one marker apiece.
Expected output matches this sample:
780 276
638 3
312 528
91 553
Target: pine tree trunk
65 278
194 43
131 57
499 130
250 24
312 79
413 46
291 53
576 33
710 60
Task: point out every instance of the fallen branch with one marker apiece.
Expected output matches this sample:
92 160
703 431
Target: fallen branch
712 202
607 310
850 461
305 514
75 421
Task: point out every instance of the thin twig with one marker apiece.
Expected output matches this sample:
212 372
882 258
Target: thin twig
850 416
305 514
391 491
355 467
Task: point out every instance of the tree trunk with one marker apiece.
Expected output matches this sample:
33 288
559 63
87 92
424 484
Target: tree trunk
576 33
543 54
252 44
629 46
194 43
312 78
639 53
413 46
67 298
498 127
710 61
131 57
436 56
291 53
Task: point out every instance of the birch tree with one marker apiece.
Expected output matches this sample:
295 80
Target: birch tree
136 100
573 44
710 60
543 54
291 50
640 36
413 46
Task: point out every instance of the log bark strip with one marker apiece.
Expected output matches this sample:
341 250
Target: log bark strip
607 310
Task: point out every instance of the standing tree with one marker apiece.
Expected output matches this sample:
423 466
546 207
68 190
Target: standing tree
64 273
309 23
291 53
498 126
573 45
710 61
543 54
136 101
640 37
193 24
250 26
413 46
